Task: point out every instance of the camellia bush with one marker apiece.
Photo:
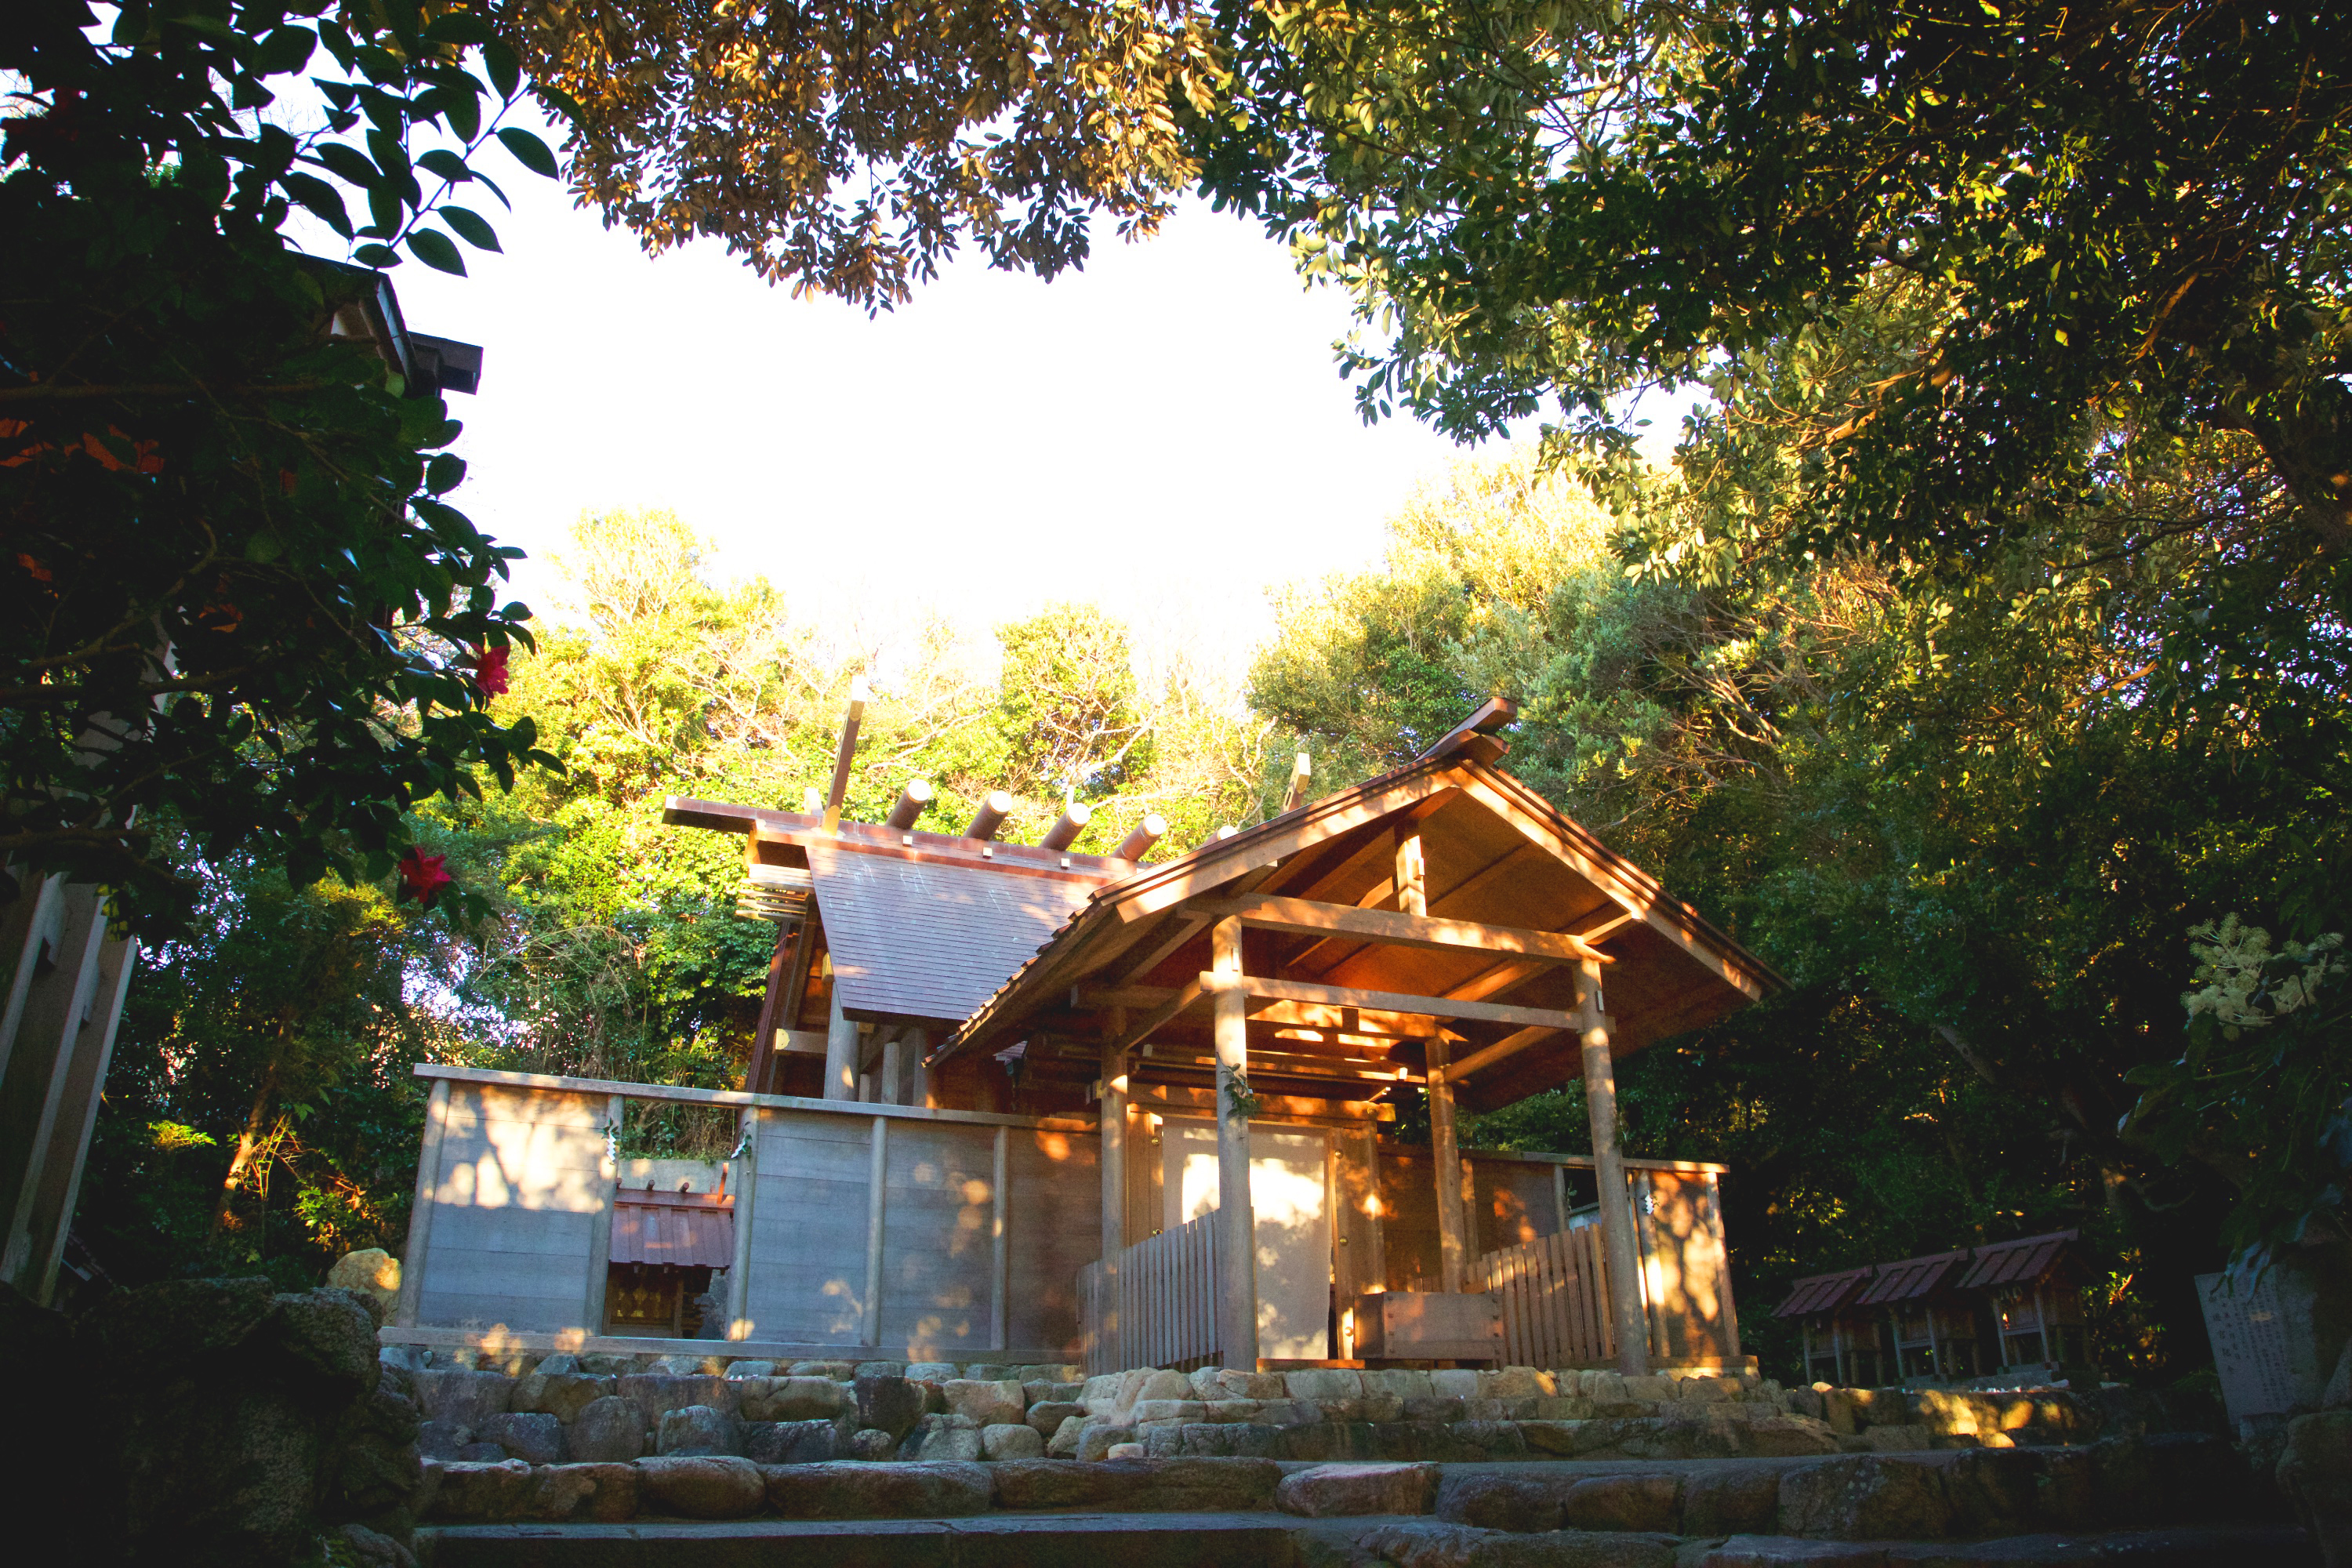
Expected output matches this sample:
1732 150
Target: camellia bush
233 592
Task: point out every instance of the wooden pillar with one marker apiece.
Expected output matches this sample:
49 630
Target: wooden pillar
919 1088
600 1228
894 1068
420 1214
878 1172
1445 1158
1112 1112
1000 1240
1617 1238
1236 1221
747 1186
840 1051
763 1034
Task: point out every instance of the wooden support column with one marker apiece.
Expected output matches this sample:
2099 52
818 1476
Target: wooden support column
1618 1241
878 1172
1112 1112
747 1186
763 1034
999 1243
840 1051
1236 1220
420 1213
600 1228
894 1068
1445 1157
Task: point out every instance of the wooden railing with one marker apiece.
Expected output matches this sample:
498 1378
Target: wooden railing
1156 1304
1554 1292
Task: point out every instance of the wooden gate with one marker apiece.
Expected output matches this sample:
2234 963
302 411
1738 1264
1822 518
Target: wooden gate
1554 1292
1158 1306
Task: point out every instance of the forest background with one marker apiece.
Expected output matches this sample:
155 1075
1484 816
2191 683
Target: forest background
1979 659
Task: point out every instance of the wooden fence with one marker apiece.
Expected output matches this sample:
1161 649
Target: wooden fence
1554 1292
1158 1306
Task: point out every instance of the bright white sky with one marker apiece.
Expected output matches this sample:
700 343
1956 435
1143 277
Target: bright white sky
1164 433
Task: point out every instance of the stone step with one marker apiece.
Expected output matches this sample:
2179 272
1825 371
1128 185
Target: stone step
1254 1541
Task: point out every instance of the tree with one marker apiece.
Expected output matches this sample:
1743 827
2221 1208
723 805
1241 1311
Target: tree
235 598
2123 222
845 147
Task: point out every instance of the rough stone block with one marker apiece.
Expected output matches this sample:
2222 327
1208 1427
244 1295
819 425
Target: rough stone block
1328 1383
562 1394
794 1442
1560 1408
1490 1440
1483 1409
465 1397
1653 1389
1515 1382
1437 1408
606 1430
736 1369
987 1372
1643 1504
1787 1437
482 1453
879 1369
2123 1481
987 1402
1047 1414
1607 1386
931 1372
1230 1410
1704 1390
1064 1443
795 1399
443 1440
1909 1439
600 1494
890 1490
1146 1411
1865 1497
1098 1437
656 1394
1104 1385
1332 1492
1010 1441
535 1436
887 1403
1992 1492
873 1445
948 1437
839 1371
699 1429
1846 1414
1489 1501
1125 1451
701 1486
1398 1384
1550 1437
1745 1499
1288 1412
483 1491
1458 1383
1154 1383
1037 1391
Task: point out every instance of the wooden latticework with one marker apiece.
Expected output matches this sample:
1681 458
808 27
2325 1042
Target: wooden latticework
1554 1292
1159 1306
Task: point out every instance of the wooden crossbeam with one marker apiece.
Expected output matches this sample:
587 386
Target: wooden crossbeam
1391 928
1501 1050
1152 1020
1283 1064
1386 1001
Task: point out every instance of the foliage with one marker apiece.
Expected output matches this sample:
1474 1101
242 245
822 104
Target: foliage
2262 1093
846 147
2130 215
236 603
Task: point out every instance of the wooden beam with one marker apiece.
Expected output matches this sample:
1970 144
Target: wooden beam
990 816
1067 826
1191 1099
1147 833
600 1225
1000 1236
420 1212
913 801
763 1034
747 1183
1445 1169
846 753
1618 1240
1394 927
1388 1001
1284 1063
1302 769
1502 1049
877 1189
1161 1015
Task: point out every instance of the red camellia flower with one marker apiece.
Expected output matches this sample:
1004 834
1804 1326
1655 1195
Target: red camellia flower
422 876
490 670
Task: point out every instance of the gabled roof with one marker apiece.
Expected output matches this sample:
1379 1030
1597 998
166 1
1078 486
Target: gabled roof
2025 1260
1673 969
1914 1279
1822 1293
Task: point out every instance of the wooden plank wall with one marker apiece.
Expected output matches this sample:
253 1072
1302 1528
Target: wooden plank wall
1555 1293
939 1208
519 1185
1055 1212
1688 1282
1512 1203
808 1228
1159 1308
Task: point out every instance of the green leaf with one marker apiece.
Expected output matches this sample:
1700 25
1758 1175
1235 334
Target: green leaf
447 165
346 162
562 102
460 27
376 255
436 250
321 198
529 150
445 473
506 71
471 227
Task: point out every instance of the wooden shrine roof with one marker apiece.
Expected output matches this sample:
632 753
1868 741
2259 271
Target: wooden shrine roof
1823 1293
1498 855
2027 1260
685 1230
1915 1278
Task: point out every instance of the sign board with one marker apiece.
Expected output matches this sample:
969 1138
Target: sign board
2250 1350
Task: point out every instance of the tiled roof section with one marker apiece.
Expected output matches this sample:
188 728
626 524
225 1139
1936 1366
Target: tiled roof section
924 939
1823 1293
2023 1261
1913 1279
686 1230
